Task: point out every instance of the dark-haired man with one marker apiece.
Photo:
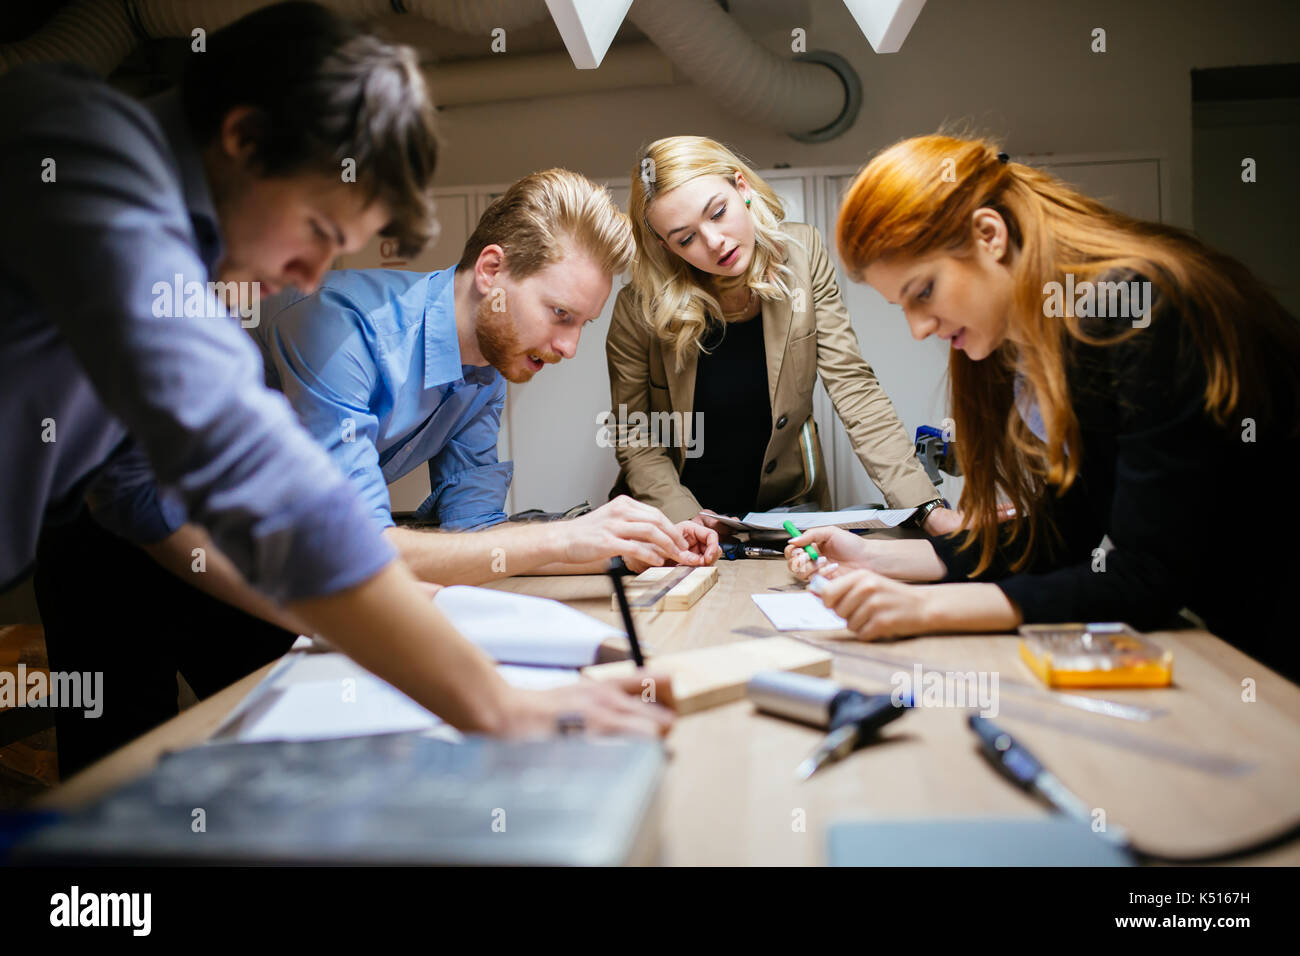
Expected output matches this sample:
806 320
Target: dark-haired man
106 379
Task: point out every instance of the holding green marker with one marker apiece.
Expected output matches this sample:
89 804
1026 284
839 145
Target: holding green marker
794 532
817 582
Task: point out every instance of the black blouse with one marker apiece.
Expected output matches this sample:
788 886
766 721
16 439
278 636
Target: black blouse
1195 511
731 394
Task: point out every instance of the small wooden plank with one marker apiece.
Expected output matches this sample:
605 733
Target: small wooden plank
695 586
683 595
711 676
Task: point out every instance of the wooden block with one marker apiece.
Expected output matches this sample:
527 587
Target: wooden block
710 676
683 595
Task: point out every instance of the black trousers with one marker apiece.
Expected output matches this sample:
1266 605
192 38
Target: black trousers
106 606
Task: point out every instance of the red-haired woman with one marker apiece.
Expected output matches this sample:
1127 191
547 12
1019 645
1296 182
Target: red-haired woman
1109 378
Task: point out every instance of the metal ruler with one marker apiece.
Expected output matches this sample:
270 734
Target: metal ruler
664 585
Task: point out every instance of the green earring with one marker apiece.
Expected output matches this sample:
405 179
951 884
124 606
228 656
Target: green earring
747 202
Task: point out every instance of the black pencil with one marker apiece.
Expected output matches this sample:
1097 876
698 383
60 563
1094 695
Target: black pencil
617 578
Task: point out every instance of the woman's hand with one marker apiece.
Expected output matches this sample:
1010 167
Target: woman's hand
900 559
941 521
875 606
834 544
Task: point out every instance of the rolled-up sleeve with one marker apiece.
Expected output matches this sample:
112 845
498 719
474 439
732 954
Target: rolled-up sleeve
126 500
99 250
325 369
468 484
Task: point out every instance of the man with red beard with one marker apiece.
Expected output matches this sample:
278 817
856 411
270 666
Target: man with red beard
391 370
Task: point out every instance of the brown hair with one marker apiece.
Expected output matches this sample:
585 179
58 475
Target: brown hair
324 90
919 197
536 217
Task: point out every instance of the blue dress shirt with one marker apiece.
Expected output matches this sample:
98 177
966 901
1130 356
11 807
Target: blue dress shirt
105 202
371 363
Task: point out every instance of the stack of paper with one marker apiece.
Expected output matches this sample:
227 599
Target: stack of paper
522 629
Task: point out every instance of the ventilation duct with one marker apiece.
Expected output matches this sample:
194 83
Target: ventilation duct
813 97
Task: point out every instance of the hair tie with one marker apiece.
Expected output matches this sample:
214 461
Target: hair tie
1003 158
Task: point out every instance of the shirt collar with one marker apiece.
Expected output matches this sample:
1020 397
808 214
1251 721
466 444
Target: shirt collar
442 364
170 113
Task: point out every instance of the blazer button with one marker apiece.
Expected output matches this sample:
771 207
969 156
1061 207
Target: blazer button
771 467
780 422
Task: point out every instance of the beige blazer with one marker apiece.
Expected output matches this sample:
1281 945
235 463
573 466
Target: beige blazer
800 346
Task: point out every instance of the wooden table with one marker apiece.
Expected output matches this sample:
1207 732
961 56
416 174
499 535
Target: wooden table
730 795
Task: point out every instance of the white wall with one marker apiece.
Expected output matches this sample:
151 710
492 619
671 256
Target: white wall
1020 69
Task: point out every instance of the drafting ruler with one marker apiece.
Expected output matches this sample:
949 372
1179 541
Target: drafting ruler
661 587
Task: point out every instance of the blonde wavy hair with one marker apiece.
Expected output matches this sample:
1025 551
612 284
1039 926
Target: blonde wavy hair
675 297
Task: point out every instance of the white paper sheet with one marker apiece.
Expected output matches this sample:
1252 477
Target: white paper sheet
870 519
523 629
798 612
321 696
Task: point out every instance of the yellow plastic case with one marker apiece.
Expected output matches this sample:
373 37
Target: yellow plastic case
1094 655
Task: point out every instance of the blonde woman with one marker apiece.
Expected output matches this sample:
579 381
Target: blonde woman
731 315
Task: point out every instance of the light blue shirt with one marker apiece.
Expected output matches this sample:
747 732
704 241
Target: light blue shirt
371 363
103 386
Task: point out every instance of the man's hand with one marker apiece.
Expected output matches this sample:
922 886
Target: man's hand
631 705
639 532
709 519
702 543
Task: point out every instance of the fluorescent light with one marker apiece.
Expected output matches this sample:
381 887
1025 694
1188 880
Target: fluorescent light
886 23
588 27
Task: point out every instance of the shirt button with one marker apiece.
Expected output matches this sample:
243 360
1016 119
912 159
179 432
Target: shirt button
780 422
771 467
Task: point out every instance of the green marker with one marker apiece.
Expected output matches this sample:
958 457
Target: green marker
794 532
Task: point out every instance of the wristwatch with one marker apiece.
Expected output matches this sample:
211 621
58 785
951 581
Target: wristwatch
923 511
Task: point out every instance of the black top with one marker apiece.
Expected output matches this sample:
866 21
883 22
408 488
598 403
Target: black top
731 395
1195 513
